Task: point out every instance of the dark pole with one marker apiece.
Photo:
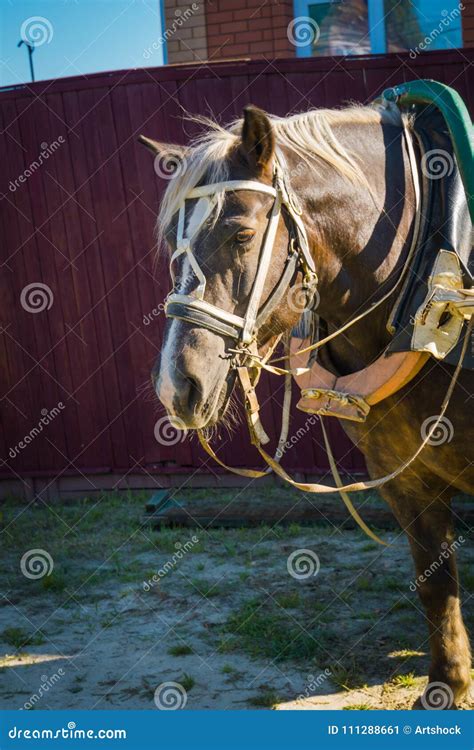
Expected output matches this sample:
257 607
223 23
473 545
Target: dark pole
31 49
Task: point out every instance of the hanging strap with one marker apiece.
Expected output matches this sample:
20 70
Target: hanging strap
322 489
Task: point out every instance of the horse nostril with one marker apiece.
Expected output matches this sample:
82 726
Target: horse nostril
194 393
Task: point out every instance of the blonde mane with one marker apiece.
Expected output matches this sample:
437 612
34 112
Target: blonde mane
310 135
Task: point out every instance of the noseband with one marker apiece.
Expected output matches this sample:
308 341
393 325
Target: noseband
193 308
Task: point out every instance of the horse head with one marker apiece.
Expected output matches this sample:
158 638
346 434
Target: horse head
215 243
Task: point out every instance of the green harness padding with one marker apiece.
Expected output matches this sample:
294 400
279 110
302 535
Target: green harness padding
456 116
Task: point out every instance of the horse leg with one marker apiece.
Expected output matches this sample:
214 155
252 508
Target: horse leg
431 535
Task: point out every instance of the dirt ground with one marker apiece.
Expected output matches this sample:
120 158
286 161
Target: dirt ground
286 617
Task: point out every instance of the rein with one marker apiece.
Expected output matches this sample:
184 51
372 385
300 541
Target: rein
193 308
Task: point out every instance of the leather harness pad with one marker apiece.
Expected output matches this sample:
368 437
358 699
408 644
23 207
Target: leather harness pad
447 226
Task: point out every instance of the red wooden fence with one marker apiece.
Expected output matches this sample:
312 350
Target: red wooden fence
81 222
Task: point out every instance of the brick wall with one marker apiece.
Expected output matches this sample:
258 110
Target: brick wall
248 28
185 31
468 23
218 29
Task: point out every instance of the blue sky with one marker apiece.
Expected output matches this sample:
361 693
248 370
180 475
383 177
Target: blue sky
77 36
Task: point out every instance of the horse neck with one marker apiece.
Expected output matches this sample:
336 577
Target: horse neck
360 240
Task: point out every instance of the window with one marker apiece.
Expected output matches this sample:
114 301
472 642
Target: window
359 27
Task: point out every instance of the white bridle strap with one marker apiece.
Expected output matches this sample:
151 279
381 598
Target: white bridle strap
229 185
193 307
262 272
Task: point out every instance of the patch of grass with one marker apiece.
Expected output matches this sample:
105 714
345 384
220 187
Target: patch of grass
404 680
406 653
357 707
363 583
227 644
289 600
228 669
348 676
181 649
187 682
57 581
207 589
294 529
264 699
263 632
19 638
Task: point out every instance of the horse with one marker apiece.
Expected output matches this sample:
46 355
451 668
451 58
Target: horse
350 172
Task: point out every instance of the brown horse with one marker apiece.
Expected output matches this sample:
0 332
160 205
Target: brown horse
351 173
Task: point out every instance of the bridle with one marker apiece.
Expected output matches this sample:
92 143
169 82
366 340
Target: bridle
193 308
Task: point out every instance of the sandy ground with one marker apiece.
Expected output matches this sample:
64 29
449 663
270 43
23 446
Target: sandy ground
126 610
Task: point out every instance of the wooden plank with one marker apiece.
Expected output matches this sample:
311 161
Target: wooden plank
173 511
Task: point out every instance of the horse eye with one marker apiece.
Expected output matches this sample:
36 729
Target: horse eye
245 235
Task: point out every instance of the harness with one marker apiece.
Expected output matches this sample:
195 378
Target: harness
389 375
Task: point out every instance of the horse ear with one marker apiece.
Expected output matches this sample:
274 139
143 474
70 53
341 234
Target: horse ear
258 139
169 157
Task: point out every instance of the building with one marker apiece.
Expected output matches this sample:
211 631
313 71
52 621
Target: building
226 29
